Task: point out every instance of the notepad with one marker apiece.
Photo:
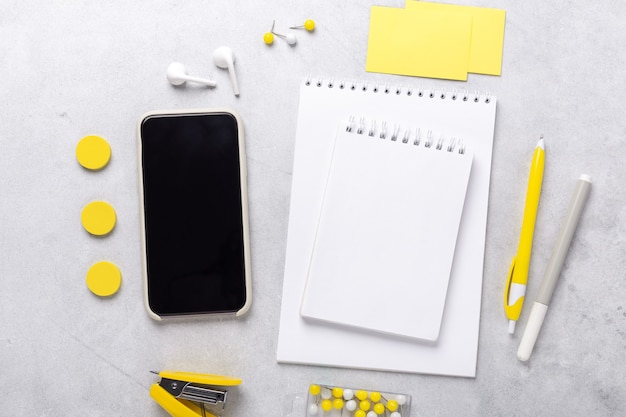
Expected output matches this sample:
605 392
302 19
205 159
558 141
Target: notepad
435 40
424 44
324 103
487 38
388 228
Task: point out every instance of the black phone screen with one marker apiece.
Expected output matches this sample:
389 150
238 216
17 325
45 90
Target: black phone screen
193 211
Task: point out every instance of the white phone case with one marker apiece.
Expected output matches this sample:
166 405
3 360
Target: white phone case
244 211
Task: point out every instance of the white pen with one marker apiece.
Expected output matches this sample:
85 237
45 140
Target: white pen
551 276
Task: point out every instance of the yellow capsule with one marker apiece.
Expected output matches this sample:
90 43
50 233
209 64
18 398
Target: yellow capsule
365 405
375 396
337 392
338 403
327 405
379 408
392 405
268 38
361 395
360 413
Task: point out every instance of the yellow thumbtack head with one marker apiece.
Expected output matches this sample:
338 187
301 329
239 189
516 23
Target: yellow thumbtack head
309 25
392 405
337 392
315 389
365 405
93 152
268 38
327 405
338 403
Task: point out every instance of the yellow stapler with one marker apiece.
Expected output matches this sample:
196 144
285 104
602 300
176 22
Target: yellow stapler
186 394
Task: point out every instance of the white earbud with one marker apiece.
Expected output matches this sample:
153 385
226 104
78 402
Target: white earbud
177 75
224 58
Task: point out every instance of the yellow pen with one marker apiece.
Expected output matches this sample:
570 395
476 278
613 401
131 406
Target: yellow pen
518 273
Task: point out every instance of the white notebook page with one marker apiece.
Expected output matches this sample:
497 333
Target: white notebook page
387 230
321 108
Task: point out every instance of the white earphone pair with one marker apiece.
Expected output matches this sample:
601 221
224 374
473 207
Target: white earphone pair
223 57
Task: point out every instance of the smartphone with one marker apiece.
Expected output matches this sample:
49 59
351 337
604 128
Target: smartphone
194 213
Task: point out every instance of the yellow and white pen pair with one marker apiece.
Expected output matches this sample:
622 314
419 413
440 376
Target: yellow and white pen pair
518 273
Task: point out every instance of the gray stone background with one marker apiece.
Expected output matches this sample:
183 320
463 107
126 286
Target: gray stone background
69 69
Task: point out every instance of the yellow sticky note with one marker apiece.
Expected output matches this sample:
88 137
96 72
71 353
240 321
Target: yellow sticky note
423 44
487 33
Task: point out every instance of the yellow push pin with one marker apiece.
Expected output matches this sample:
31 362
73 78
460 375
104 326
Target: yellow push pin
365 405
268 38
327 405
379 409
338 404
315 389
392 405
361 394
98 218
93 152
337 392
104 279
309 25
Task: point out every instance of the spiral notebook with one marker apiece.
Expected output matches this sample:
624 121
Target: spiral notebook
387 230
323 104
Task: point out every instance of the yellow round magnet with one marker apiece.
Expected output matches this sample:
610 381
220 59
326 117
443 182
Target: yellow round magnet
104 279
98 218
93 152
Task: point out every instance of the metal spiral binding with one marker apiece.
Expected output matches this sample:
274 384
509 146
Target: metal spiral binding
376 88
418 135
370 128
394 133
429 139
